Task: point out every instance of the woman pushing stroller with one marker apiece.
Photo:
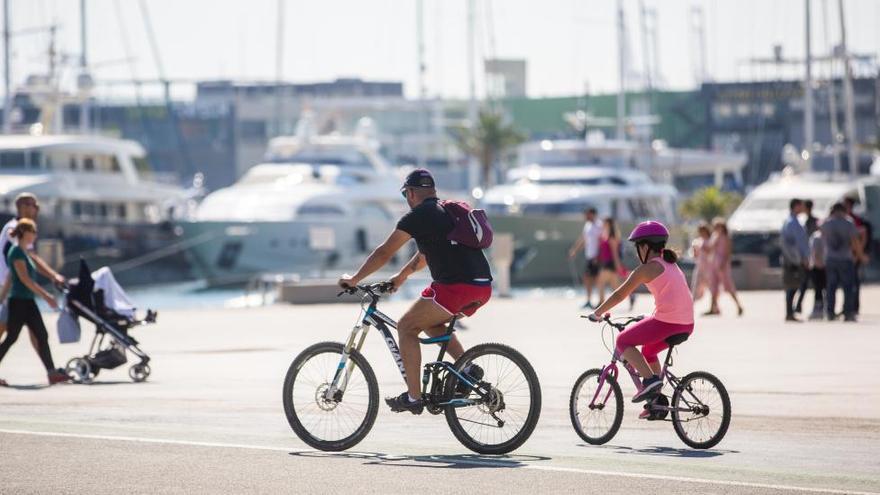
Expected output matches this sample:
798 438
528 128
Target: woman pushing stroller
22 289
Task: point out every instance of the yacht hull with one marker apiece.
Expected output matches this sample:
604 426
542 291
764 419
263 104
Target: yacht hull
231 253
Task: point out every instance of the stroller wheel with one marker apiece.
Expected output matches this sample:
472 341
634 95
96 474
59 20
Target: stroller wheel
80 370
139 372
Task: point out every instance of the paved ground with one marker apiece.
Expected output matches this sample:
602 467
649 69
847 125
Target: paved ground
806 402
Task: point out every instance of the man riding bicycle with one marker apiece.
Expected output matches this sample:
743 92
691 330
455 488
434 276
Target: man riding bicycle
461 281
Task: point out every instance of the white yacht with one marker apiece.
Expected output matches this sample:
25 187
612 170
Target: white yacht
543 199
756 223
317 203
96 194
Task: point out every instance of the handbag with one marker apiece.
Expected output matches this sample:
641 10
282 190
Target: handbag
68 327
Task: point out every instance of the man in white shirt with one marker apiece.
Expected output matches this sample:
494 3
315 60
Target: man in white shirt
26 206
589 241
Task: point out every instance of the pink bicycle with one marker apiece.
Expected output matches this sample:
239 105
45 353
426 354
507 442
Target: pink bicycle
699 409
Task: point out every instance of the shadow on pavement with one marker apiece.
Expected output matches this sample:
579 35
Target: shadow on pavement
45 386
664 451
457 461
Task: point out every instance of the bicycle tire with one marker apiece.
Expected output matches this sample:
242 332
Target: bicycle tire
534 412
725 413
294 419
575 415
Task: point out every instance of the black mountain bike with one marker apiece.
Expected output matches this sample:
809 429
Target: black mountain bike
331 397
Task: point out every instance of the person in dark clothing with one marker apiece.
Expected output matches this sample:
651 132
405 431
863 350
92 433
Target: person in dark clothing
810 225
795 256
842 249
461 280
23 310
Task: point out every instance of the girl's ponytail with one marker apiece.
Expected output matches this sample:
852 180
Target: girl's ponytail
669 255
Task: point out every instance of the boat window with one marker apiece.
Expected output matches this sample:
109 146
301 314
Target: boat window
12 159
89 163
589 181
341 158
76 208
121 211
370 211
141 164
72 162
103 210
36 159
114 164
323 210
554 208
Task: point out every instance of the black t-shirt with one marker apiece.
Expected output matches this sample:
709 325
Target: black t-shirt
429 224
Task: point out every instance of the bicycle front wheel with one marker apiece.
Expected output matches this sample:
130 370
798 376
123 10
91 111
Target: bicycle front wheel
342 421
700 410
505 419
596 407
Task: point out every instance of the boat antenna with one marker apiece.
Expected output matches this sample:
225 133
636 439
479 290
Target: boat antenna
423 90
849 109
807 153
621 68
832 94
7 98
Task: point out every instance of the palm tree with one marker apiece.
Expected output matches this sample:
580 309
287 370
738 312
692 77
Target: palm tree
708 203
488 141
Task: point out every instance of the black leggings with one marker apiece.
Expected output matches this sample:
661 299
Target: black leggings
25 312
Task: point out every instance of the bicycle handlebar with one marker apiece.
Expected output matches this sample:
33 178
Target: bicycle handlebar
371 289
619 326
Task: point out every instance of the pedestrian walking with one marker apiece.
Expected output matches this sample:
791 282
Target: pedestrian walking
795 256
22 288
843 248
26 206
811 225
589 241
817 274
701 250
721 267
863 228
610 266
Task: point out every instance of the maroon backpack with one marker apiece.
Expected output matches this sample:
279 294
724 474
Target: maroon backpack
471 226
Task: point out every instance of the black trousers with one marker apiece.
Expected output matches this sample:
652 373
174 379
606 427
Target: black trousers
25 312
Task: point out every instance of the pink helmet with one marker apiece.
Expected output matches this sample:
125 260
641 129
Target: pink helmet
650 231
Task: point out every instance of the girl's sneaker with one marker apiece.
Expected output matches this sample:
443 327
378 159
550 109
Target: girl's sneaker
650 386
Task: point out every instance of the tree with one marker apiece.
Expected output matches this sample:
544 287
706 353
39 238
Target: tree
488 141
708 203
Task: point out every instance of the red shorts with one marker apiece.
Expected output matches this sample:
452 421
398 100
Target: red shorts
458 298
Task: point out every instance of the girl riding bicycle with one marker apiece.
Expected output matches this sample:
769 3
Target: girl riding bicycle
673 312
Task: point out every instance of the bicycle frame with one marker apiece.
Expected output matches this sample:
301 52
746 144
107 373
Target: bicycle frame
371 316
612 370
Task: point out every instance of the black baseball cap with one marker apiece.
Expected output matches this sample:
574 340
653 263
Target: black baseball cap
419 178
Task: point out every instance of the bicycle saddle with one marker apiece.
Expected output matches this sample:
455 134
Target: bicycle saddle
676 339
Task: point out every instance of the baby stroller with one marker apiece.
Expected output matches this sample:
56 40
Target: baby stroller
113 316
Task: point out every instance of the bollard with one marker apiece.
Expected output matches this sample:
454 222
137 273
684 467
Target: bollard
502 260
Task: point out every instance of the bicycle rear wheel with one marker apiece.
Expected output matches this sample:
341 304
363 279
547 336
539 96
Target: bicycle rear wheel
708 416
596 422
506 419
330 425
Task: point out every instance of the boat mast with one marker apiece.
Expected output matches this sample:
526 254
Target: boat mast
832 94
807 153
473 113
849 109
423 90
83 82
621 67
279 65
7 98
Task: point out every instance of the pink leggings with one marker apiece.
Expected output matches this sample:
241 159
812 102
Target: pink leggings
651 334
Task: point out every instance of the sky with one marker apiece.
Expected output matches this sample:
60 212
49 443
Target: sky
570 45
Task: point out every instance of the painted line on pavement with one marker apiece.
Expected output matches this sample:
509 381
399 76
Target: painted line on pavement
486 463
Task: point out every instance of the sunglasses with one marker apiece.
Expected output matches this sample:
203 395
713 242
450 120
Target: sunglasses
403 192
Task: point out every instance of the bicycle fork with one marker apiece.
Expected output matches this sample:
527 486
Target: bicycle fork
344 371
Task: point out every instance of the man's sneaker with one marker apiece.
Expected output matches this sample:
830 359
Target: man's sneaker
58 376
650 386
402 403
475 372
587 305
